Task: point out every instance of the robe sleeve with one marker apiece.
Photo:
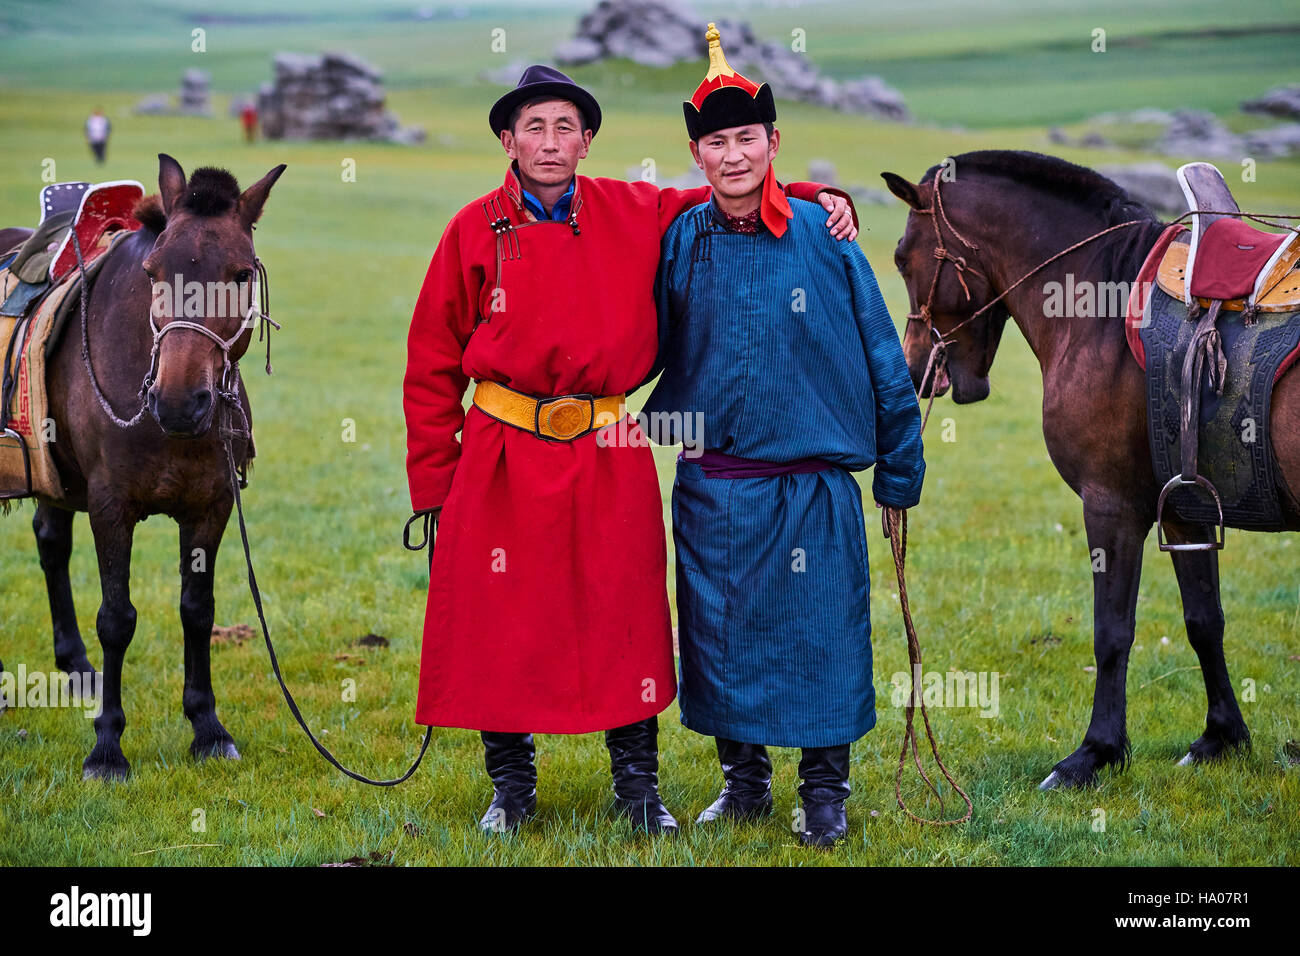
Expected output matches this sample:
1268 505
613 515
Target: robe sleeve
674 202
435 383
900 464
663 308
808 192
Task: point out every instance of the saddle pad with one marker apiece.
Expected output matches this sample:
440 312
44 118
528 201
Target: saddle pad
39 337
1236 452
17 302
37 252
1230 257
30 408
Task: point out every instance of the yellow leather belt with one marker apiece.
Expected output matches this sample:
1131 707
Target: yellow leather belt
559 418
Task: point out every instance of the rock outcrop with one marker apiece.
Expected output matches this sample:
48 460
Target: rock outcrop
334 96
657 33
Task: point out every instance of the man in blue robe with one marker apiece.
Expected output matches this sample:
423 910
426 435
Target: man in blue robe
775 336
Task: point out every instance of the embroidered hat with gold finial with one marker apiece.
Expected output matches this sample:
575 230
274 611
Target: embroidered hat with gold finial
727 99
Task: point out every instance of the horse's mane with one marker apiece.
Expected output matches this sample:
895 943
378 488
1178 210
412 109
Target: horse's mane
210 192
1119 254
149 211
1056 176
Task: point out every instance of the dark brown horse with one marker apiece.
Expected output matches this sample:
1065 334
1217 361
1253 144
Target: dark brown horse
1003 214
167 460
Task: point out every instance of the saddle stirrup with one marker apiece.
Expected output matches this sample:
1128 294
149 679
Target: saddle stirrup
26 491
1204 340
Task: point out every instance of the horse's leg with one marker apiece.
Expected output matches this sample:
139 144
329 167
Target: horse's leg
1198 581
113 527
199 542
1119 532
53 527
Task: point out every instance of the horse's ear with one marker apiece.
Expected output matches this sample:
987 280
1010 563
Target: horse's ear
904 190
171 182
254 197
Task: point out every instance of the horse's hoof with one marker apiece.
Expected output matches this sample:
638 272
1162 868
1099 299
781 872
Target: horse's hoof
1187 761
106 770
1061 781
79 666
1052 782
221 749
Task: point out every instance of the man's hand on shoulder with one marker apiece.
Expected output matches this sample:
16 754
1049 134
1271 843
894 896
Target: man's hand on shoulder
840 222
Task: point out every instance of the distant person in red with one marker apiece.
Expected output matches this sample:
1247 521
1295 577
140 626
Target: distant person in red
248 117
97 128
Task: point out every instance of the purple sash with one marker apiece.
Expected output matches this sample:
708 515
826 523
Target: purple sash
719 465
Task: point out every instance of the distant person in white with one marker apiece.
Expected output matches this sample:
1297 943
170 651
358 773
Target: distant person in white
97 128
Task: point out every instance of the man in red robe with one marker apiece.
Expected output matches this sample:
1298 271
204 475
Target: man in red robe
548 607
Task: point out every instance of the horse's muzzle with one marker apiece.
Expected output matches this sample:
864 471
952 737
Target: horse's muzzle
189 418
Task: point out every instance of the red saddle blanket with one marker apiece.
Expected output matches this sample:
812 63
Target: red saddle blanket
1235 258
1230 257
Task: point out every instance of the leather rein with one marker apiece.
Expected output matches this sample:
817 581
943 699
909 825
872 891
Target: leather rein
258 311
938 358
895 530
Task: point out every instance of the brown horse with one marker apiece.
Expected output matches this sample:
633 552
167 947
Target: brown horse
121 464
1002 215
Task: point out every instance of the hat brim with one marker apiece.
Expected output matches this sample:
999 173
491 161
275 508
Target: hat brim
499 115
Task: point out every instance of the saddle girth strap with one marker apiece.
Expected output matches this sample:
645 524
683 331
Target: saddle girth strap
1207 345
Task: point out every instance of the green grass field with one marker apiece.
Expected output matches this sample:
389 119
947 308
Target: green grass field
998 566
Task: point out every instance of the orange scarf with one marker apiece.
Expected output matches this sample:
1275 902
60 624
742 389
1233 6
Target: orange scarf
776 211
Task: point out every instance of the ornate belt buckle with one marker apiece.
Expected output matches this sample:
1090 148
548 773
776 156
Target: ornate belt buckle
567 416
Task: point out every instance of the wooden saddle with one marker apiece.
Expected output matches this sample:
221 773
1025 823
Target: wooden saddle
1225 264
1223 258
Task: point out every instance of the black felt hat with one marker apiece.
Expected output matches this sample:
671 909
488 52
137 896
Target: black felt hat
541 80
727 107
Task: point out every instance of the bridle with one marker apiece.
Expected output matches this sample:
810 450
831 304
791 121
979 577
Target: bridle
938 359
236 426
259 312
896 530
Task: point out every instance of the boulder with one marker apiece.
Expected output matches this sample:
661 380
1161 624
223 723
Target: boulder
657 33
154 104
195 88
1200 134
822 171
1281 101
334 95
1275 142
1153 184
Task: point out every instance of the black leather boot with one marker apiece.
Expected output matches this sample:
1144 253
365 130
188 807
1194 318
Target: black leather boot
823 788
634 764
509 762
747 793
